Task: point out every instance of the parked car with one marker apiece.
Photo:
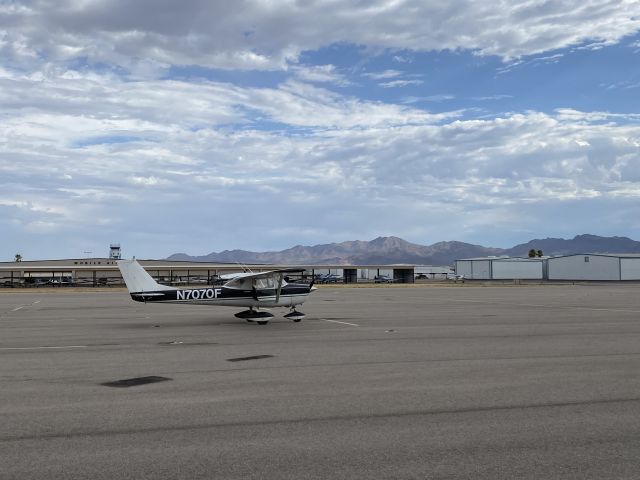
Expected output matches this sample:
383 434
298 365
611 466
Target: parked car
328 278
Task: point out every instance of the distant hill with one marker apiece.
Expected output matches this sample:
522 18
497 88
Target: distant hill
387 250
578 244
382 250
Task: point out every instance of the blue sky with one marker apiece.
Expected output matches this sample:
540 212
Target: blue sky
205 126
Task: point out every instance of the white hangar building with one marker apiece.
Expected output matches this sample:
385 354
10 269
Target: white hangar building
588 266
501 268
595 266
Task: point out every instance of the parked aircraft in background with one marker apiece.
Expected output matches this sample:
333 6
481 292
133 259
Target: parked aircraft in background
382 279
250 290
454 277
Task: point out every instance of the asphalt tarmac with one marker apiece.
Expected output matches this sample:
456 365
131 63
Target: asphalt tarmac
522 382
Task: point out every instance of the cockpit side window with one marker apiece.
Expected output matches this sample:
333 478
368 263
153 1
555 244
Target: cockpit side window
267 282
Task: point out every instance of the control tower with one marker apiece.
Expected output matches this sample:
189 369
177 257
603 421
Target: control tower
114 251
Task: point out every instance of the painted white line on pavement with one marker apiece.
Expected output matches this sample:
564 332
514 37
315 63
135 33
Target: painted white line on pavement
343 323
40 348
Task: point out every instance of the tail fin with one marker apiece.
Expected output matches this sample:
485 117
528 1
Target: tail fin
137 278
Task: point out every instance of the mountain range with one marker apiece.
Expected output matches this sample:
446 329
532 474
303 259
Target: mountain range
394 250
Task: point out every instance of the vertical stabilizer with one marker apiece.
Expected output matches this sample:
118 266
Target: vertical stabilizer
137 278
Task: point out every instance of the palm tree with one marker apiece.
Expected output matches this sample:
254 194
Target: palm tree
18 257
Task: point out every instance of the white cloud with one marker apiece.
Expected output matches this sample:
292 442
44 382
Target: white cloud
492 97
402 59
430 98
400 83
400 79
386 74
270 35
150 181
320 74
341 164
92 156
624 85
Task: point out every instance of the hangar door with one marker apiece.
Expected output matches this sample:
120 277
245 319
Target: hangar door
481 269
525 269
630 269
463 267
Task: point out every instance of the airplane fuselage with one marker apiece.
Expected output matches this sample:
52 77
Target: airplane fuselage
290 295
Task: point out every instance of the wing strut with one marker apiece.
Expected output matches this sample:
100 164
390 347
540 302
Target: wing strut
279 290
254 290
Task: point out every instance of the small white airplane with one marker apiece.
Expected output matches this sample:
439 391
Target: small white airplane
249 290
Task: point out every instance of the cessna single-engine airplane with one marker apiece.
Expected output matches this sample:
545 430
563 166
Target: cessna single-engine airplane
249 290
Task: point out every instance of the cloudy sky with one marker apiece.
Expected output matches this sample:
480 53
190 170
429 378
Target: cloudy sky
202 125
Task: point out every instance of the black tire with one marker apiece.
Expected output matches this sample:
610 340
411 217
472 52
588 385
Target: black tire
263 322
296 320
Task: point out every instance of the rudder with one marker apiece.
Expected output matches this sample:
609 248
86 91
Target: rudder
137 278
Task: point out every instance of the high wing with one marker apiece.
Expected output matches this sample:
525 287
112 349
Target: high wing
270 280
232 276
235 279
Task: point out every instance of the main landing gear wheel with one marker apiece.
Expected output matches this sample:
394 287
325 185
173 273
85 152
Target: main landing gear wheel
251 315
294 315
